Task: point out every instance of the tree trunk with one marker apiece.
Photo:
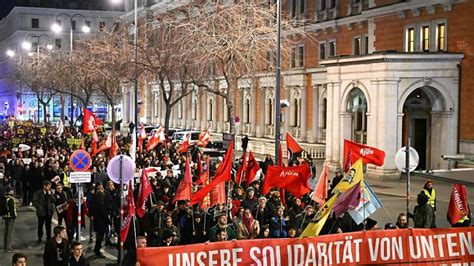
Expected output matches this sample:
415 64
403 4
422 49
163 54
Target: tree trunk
45 118
232 87
167 116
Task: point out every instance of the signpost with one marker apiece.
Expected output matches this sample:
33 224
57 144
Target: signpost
80 162
407 160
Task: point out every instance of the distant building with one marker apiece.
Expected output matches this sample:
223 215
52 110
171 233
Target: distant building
31 21
380 71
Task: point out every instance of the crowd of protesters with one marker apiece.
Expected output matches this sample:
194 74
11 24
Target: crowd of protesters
39 175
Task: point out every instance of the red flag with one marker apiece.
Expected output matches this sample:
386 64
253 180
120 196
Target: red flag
292 145
204 178
203 175
321 190
204 139
185 145
141 137
458 206
368 154
218 194
223 173
128 218
107 144
184 190
240 175
90 122
348 200
157 138
144 192
294 179
252 168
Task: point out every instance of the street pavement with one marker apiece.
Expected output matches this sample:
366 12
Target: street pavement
24 241
391 192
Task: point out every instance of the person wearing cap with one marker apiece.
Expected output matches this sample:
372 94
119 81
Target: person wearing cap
250 201
222 225
430 192
9 219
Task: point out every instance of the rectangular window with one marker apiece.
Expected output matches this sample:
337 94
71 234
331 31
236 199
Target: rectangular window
300 56
101 26
425 38
410 40
57 43
322 5
357 44
322 51
365 45
293 57
441 37
73 24
332 4
332 48
302 10
34 23
293 8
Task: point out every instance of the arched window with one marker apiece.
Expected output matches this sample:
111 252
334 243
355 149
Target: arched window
357 105
210 105
296 113
270 112
247 111
195 108
324 113
180 110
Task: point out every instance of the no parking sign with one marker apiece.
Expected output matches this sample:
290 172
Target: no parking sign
80 161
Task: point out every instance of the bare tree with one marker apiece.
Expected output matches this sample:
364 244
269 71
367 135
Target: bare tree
35 74
162 56
108 58
239 39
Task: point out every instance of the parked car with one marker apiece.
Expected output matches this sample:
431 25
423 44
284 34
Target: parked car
180 135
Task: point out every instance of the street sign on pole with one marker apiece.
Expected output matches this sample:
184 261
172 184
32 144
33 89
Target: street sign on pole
80 161
80 177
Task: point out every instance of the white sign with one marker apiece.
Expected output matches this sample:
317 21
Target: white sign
80 177
400 159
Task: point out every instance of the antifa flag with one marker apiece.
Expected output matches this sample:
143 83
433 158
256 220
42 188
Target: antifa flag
144 192
294 149
458 206
293 179
354 151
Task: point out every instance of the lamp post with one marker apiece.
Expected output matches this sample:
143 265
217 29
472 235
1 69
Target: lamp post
277 86
135 77
56 28
11 54
27 45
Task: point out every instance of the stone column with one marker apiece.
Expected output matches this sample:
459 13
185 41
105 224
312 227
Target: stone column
302 114
386 122
316 109
333 131
253 110
260 107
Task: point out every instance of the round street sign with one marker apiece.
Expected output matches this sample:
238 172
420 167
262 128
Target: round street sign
80 161
400 159
113 169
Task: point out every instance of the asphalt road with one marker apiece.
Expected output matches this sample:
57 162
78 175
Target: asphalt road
25 241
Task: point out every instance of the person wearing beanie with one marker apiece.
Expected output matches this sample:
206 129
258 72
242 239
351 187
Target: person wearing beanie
423 213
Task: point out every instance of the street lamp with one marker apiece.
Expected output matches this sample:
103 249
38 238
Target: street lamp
10 53
277 86
56 28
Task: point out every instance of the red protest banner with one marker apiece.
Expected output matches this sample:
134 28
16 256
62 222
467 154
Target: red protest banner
421 246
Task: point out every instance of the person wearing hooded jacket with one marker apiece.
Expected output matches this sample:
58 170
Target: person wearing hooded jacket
423 213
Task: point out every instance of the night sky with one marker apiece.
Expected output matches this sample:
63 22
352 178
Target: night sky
5 7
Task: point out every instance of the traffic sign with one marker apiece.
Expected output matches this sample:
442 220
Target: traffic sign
400 159
80 177
80 161
127 165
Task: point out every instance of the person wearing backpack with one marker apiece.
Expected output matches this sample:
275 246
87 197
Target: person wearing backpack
9 217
